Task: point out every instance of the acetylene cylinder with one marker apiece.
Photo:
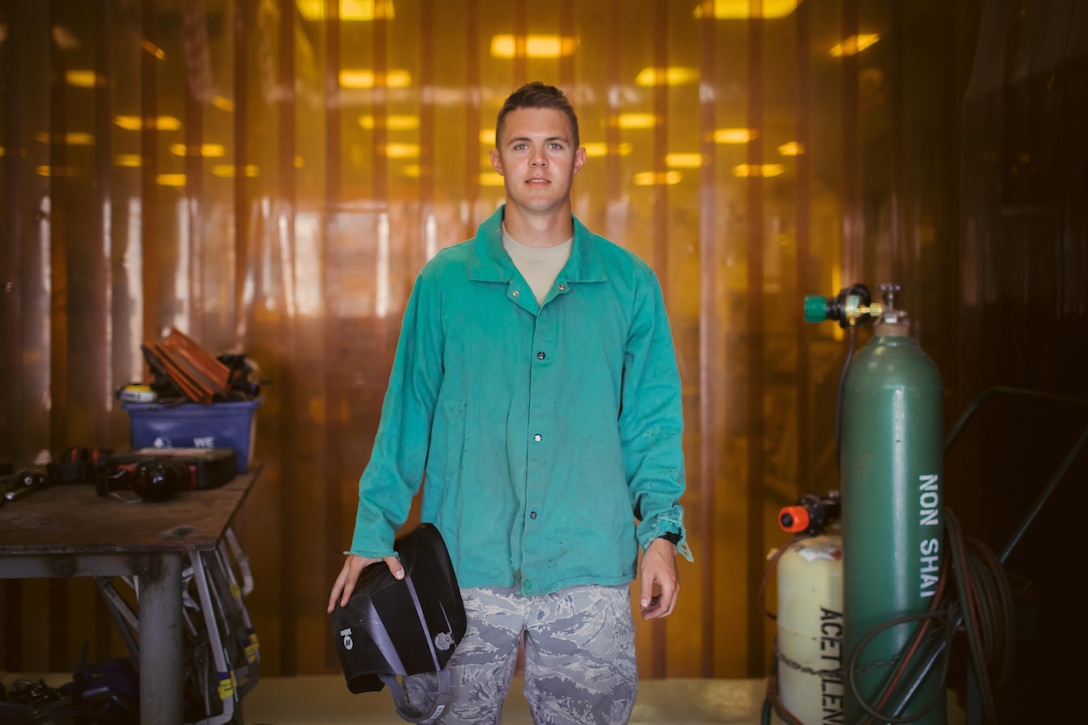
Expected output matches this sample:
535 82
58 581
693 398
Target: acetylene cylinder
810 629
892 510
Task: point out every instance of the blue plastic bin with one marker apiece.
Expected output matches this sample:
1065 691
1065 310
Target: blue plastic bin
193 425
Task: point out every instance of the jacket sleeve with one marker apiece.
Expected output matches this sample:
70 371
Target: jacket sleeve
651 420
397 462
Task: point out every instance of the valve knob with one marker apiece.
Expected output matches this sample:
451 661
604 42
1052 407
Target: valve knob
793 519
815 308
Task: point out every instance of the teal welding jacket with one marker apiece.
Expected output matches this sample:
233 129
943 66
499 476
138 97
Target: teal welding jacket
547 438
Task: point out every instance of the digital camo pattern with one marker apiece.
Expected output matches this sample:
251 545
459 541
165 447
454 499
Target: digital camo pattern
579 657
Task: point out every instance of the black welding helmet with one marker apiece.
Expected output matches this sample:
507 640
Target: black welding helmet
396 628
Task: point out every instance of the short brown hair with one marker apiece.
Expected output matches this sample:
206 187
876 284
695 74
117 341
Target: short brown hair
537 95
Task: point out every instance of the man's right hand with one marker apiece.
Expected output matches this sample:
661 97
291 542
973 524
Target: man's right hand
349 577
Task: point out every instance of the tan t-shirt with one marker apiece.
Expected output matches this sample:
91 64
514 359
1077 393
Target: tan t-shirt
538 265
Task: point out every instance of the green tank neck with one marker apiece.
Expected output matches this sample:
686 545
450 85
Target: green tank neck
891 329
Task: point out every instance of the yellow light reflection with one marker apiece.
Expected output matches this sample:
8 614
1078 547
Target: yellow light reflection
487 137
358 78
65 38
55 171
532 46
401 151
657 178
153 49
601 149
393 123
684 161
135 123
170 179
72 138
490 178
223 103
83 79
741 9
637 120
766 170
209 150
412 171
352 10
671 76
130 161
853 45
226 171
791 148
735 135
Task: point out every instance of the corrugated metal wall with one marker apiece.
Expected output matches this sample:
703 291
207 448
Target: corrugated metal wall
269 176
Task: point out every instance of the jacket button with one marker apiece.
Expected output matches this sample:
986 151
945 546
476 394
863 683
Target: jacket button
538 437
515 293
563 287
540 356
532 514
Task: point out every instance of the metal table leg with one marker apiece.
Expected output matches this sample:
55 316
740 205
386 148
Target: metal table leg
160 642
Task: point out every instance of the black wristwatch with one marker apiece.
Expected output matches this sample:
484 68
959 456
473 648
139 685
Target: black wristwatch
671 536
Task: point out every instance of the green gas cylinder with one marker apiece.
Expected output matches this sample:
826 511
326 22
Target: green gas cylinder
892 509
892 516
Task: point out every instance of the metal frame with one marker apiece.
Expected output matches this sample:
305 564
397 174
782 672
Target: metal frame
220 653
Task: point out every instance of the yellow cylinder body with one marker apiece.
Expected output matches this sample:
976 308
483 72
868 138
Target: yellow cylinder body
810 630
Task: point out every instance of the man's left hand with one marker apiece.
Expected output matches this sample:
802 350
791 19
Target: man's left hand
658 569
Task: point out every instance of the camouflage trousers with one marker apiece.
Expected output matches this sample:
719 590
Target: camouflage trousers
579 656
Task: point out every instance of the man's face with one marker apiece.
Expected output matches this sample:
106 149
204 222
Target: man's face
537 159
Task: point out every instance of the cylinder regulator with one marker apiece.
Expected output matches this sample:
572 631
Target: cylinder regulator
891 454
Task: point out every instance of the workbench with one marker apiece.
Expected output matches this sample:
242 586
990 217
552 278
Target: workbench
68 530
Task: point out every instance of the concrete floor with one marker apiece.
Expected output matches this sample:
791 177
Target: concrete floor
325 700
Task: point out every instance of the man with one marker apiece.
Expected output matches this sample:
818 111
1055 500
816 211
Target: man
535 385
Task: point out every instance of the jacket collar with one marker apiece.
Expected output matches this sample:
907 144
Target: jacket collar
489 262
